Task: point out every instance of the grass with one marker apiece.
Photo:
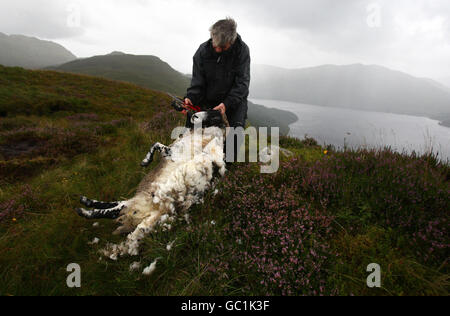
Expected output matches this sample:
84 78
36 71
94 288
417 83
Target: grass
310 229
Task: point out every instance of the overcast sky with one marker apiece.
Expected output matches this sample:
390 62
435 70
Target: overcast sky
408 35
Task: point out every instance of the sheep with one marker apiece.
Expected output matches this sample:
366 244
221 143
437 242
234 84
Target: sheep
185 173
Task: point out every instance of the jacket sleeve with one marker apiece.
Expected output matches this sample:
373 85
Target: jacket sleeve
196 92
240 90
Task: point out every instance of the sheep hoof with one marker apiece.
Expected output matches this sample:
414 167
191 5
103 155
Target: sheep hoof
80 212
145 163
85 201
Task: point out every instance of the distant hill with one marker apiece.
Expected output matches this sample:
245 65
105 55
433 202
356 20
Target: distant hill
30 52
356 86
261 116
146 71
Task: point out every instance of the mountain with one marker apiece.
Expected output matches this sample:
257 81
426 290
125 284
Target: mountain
30 52
261 116
146 71
356 86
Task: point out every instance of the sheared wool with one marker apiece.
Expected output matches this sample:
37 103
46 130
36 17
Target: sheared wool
135 266
151 268
94 241
170 246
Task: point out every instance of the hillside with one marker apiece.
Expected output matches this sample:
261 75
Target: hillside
309 229
146 71
36 109
261 116
356 86
30 52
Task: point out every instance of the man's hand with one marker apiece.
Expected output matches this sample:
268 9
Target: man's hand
188 101
221 107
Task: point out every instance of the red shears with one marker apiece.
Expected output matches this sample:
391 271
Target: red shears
180 106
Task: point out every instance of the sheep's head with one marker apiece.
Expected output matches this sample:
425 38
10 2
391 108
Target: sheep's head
209 118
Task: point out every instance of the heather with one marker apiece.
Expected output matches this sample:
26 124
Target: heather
277 240
15 208
397 191
288 233
309 229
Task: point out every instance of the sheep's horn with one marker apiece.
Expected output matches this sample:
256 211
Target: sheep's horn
225 119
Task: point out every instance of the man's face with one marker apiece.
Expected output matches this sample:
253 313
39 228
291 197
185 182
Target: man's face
220 49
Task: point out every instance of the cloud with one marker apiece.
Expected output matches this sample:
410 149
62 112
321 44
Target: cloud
42 18
412 36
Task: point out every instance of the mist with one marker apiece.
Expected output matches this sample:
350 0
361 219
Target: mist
410 36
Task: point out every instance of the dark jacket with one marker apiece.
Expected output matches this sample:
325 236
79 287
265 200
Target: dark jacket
222 78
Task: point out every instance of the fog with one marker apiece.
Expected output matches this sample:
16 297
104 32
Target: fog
411 36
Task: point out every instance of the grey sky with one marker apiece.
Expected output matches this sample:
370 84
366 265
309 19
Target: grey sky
408 35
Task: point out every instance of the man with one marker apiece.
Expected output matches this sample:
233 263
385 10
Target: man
221 75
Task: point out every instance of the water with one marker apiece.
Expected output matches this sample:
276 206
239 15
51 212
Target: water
352 128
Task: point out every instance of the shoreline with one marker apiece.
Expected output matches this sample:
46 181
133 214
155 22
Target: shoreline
445 123
442 121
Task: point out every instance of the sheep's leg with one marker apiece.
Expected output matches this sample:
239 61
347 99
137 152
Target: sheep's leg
164 150
97 204
110 213
134 239
143 229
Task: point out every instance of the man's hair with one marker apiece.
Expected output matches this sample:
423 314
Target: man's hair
224 32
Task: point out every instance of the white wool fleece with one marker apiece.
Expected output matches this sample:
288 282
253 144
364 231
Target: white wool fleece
181 184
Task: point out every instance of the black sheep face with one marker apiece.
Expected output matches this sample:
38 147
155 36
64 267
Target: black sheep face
207 118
